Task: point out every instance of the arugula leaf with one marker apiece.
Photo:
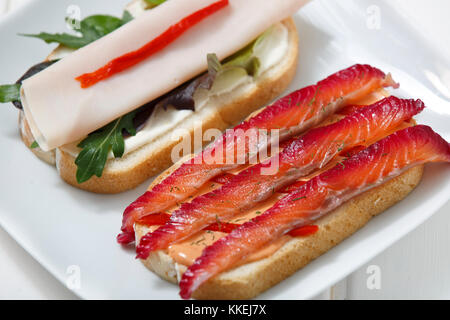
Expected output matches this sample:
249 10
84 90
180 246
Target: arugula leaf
64 39
102 25
91 29
9 93
92 159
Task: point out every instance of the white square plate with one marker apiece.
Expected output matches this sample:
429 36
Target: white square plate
61 226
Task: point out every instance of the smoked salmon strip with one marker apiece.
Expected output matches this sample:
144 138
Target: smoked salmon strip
301 157
367 169
290 116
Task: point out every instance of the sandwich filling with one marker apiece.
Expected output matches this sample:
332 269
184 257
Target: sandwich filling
187 251
269 49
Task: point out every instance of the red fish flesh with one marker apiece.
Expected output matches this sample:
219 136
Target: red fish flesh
302 156
290 115
373 166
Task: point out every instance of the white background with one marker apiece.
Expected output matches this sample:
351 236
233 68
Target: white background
418 266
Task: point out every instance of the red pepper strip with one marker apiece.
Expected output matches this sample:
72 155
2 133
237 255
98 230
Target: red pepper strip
130 59
159 219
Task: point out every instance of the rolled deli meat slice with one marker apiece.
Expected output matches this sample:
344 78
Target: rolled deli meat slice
59 111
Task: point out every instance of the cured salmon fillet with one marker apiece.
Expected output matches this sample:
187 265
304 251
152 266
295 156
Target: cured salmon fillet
301 157
371 167
290 115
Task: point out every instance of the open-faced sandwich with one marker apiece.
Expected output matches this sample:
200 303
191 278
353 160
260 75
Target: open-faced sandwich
104 104
232 229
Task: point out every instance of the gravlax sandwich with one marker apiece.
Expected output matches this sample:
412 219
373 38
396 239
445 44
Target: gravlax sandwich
231 230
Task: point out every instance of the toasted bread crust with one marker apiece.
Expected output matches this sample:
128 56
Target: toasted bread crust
137 166
249 280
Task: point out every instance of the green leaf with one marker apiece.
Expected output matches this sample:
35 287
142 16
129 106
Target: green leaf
34 145
96 147
243 64
91 29
214 65
126 17
154 3
244 58
102 24
9 93
64 39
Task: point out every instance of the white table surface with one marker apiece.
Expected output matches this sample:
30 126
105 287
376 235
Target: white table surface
416 267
